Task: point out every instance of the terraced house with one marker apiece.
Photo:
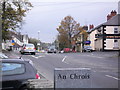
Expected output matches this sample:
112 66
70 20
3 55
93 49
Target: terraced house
106 36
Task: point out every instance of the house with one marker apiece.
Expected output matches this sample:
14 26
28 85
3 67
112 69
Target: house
106 36
15 41
78 39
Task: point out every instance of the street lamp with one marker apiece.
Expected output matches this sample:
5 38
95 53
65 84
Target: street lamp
38 34
38 44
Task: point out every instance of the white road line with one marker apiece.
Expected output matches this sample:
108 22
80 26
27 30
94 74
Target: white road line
34 56
66 62
112 77
64 58
37 57
40 56
93 56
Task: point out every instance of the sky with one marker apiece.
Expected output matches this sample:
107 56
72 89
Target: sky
46 15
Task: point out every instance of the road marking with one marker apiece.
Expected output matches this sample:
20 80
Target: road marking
92 56
34 56
64 58
41 56
37 57
112 77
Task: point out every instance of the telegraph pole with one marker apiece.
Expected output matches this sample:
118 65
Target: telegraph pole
0 27
81 45
39 41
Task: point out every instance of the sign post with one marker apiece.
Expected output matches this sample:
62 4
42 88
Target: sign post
13 42
38 44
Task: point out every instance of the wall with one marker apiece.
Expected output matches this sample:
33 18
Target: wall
25 39
109 29
17 41
92 39
98 44
110 42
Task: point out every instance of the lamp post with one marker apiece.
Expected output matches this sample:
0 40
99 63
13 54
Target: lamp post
82 40
38 44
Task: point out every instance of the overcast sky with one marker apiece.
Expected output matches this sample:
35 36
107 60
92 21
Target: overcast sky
46 15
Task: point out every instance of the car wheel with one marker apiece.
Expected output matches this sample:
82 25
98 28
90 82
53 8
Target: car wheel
24 88
33 53
22 53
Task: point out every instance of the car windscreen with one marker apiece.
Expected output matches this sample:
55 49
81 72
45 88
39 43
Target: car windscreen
87 46
12 68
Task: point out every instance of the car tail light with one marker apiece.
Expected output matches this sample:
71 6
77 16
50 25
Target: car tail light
24 48
35 48
37 76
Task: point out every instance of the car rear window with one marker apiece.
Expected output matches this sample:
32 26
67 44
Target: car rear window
29 45
12 68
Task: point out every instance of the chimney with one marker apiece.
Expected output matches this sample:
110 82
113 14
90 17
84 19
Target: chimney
91 26
108 17
113 13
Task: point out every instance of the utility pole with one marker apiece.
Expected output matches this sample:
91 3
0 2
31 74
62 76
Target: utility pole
0 27
82 40
39 41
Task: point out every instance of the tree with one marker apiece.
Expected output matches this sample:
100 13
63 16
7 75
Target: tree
0 27
12 15
63 41
34 41
66 30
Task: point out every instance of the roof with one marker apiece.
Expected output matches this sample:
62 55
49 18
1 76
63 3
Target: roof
114 21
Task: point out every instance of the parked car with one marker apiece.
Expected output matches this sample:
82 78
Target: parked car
3 55
67 50
16 73
28 48
87 49
51 50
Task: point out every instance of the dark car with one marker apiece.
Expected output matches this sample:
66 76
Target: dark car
87 49
16 73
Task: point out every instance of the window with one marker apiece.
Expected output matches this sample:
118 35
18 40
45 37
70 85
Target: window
29 45
115 30
12 68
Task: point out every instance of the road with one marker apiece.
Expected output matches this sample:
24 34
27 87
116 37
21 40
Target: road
103 65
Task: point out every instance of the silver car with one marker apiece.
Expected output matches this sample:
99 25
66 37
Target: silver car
28 48
87 49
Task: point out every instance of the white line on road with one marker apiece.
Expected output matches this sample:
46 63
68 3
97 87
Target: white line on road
93 56
37 57
64 58
112 77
